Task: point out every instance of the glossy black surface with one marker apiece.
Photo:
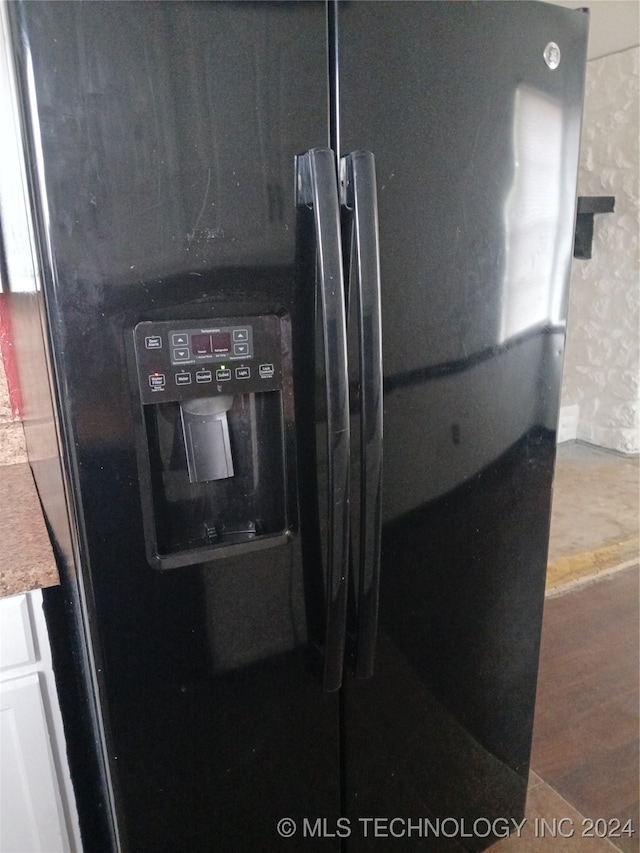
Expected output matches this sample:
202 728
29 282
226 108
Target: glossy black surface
475 140
164 138
161 142
317 190
360 221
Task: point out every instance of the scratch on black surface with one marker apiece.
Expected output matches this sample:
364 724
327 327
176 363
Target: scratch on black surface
204 202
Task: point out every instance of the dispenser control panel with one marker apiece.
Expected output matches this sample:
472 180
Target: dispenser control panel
184 359
215 344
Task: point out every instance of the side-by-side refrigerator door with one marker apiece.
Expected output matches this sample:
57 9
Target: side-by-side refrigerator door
472 112
169 168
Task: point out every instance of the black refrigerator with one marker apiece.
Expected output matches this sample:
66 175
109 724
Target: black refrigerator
290 340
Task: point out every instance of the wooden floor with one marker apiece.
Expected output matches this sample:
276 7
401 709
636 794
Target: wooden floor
586 729
585 749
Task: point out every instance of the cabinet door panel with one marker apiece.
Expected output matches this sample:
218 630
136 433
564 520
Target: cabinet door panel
30 814
16 637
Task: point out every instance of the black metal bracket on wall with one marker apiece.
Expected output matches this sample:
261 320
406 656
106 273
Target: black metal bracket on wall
587 207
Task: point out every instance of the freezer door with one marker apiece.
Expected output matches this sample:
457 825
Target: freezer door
474 127
163 139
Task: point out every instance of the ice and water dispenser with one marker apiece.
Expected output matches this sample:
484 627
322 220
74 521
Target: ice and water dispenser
211 449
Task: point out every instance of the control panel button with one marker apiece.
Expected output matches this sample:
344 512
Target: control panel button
157 381
180 339
183 378
204 376
181 354
243 372
153 342
241 349
240 335
266 371
223 375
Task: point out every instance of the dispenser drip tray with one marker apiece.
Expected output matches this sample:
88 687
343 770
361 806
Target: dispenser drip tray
230 533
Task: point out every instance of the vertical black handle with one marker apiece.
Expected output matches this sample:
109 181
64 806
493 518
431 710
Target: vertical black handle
359 200
317 188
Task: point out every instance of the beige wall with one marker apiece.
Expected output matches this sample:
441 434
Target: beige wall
602 366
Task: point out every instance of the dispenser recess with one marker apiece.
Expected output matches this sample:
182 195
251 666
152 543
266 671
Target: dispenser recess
210 443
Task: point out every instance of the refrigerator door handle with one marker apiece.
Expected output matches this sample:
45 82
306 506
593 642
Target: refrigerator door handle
317 188
360 204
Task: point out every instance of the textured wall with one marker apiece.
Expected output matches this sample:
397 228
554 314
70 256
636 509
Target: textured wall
602 361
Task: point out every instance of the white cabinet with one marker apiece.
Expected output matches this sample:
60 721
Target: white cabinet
37 806
28 786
